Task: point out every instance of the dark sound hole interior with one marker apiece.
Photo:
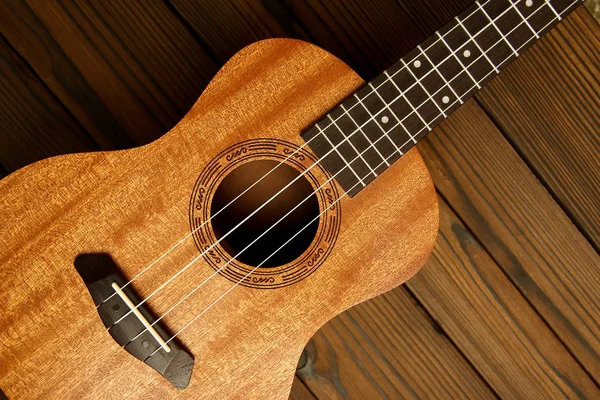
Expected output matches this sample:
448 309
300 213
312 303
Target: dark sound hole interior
264 251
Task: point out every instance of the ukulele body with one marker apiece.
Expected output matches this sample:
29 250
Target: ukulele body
135 204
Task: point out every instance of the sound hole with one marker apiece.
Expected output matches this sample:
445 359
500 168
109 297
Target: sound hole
249 243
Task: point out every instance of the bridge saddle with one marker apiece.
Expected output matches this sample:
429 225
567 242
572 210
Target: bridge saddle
135 332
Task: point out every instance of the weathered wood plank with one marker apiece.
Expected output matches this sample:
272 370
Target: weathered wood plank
552 116
537 112
34 124
494 326
300 391
522 227
3 171
388 347
552 264
389 21
430 15
374 34
134 66
594 8
34 42
211 23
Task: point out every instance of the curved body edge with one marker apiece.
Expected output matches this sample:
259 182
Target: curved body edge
134 205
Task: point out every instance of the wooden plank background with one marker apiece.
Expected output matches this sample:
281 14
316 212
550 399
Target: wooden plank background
508 305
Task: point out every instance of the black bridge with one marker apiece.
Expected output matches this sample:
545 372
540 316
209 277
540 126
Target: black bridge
104 281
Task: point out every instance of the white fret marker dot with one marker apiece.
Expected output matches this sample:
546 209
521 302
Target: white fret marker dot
417 64
467 54
529 3
445 99
385 119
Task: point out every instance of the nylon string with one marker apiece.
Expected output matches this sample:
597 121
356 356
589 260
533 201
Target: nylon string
308 169
545 3
559 15
274 168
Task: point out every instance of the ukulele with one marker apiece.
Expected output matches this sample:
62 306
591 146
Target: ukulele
200 265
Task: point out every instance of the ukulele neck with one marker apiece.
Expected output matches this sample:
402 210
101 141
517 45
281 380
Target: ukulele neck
361 137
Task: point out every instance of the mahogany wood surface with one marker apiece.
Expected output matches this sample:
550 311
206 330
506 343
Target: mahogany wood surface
107 67
133 202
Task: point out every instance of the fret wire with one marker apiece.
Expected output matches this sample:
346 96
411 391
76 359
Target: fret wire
459 60
477 85
474 81
407 100
477 44
341 156
441 36
401 95
483 79
347 139
453 54
523 18
440 74
497 29
553 10
391 112
364 134
345 192
426 92
451 105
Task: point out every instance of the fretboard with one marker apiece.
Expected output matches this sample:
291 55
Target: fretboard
361 137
